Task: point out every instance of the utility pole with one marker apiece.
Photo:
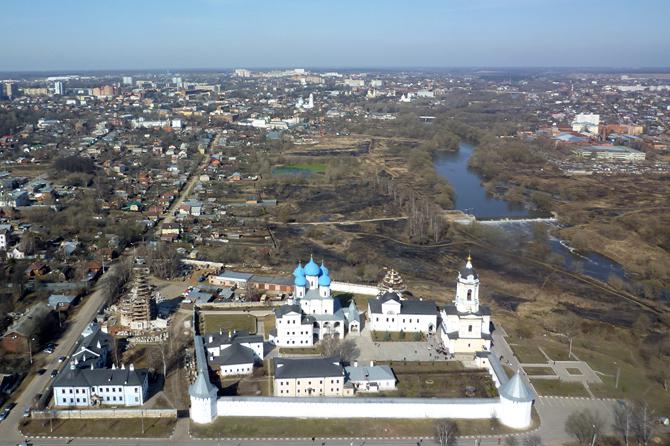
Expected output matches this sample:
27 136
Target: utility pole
618 372
595 435
30 349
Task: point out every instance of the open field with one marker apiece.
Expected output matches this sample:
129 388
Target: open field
117 427
214 322
538 370
354 427
554 387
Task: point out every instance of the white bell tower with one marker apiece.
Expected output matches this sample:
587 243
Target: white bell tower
467 289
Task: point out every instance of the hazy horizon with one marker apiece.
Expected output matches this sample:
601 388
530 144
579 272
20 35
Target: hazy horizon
210 34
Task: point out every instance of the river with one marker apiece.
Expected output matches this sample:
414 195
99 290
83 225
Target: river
472 198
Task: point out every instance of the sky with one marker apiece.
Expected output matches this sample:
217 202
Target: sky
169 34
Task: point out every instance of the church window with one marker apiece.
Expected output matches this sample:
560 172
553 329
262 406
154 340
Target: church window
469 328
469 294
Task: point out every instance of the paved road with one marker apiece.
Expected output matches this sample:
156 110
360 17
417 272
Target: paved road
66 346
168 216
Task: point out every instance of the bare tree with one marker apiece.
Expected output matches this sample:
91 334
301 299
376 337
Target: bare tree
584 425
346 351
623 421
643 422
164 261
532 440
113 283
446 432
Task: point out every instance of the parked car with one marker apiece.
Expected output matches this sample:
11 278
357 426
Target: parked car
61 359
26 412
41 371
4 413
54 372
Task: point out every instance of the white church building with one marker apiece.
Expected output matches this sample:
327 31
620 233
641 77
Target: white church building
313 313
466 324
391 313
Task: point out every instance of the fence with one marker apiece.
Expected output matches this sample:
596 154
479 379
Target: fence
82 414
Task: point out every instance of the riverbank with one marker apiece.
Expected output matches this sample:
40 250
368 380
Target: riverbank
618 223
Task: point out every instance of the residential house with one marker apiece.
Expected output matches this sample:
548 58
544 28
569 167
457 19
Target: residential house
75 387
309 377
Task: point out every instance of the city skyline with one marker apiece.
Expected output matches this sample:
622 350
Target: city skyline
74 35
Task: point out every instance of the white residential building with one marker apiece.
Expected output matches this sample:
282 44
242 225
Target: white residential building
293 329
309 377
371 378
235 353
586 123
75 387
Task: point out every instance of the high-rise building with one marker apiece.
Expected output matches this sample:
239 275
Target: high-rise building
59 88
127 80
9 90
241 72
177 80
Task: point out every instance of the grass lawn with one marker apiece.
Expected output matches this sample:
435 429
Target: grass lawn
423 367
539 370
397 336
444 385
556 350
117 427
346 427
633 379
300 351
214 322
554 387
300 168
246 386
528 353
311 167
269 323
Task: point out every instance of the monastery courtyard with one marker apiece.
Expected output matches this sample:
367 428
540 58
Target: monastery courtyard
397 351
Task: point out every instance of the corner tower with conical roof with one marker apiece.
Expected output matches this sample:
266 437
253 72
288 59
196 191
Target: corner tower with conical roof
202 392
516 401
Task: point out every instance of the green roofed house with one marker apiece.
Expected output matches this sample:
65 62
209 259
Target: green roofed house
610 152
